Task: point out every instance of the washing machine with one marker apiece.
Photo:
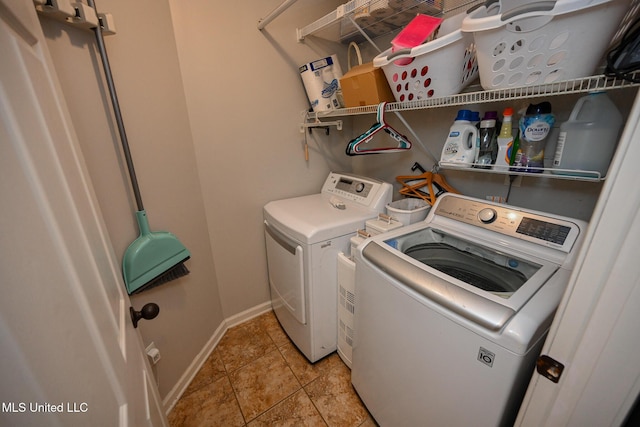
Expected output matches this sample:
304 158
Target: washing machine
303 238
453 311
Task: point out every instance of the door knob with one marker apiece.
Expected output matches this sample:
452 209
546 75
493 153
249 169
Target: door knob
149 311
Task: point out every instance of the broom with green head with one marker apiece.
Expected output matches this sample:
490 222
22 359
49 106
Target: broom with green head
154 257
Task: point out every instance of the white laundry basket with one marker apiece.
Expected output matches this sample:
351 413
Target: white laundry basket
409 210
441 67
542 42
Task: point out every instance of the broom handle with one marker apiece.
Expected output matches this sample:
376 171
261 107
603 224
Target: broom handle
116 111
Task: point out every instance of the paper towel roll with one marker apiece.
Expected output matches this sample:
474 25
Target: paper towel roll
321 80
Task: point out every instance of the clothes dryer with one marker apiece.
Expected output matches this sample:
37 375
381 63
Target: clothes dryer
303 238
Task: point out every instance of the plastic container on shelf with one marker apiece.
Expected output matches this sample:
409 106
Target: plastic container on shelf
588 139
487 142
409 210
534 126
419 30
460 146
542 42
441 67
505 141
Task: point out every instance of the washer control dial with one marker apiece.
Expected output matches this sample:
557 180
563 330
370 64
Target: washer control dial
359 187
487 215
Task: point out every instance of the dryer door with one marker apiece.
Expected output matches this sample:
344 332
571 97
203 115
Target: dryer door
285 261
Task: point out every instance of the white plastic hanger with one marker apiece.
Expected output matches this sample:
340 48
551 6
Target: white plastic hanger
355 146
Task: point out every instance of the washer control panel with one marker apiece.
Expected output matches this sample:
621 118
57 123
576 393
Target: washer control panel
537 227
365 191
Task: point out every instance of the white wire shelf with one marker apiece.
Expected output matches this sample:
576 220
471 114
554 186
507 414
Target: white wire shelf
565 174
345 24
575 86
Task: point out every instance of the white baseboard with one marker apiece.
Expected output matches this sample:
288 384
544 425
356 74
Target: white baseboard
176 392
174 395
248 314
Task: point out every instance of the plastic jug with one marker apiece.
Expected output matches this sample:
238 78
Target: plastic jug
589 138
460 146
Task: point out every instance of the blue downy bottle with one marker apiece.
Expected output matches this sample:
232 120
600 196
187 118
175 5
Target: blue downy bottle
535 126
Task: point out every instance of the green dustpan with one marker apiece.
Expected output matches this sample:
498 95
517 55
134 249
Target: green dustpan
153 258
156 257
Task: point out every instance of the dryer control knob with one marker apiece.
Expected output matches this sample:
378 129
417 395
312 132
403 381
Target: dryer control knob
487 215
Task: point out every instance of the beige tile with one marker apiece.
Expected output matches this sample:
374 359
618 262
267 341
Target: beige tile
211 371
304 370
212 405
335 398
262 383
246 378
295 411
243 344
269 322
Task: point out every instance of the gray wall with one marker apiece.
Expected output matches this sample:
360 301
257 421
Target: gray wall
245 99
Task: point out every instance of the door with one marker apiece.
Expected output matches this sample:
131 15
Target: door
285 260
69 353
595 333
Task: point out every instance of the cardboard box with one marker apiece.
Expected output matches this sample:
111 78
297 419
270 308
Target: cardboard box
365 85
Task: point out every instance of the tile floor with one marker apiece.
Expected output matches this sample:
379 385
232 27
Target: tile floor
257 377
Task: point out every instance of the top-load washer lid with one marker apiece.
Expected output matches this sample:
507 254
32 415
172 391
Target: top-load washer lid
316 218
495 271
481 283
472 268
479 260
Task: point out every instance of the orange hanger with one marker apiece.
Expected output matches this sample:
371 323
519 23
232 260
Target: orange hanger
413 185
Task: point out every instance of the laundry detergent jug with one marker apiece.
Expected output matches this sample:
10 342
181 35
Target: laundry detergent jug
588 139
460 146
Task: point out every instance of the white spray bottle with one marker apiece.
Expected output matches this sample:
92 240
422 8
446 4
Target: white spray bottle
460 147
505 142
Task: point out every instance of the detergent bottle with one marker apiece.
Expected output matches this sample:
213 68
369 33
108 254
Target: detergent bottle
505 142
487 144
460 147
535 126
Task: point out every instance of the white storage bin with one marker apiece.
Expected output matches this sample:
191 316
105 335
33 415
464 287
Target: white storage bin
382 224
542 42
409 210
438 68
